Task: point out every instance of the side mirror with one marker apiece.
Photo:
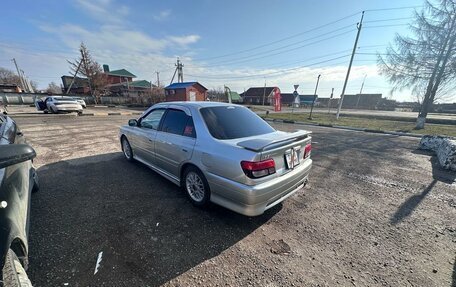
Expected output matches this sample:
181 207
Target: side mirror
15 153
133 123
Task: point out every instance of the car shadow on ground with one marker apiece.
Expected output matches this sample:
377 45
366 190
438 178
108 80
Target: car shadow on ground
454 273
146 228
438 174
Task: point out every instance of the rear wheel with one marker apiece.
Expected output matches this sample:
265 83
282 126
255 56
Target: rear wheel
13 273
126 148
196 186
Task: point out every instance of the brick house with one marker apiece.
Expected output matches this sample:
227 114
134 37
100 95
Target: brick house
255 95
188 91
117 76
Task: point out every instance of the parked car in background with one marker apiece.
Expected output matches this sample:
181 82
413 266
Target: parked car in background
221 153
18 179
58 104
80 101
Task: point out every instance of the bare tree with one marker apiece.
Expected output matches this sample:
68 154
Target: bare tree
9 77
88 67
53 88
425 62
217 95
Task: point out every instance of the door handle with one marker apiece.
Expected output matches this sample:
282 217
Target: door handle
184 150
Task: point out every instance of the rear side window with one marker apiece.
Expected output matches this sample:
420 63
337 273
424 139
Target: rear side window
231 122
179 123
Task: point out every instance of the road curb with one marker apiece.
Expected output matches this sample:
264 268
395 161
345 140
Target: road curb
345 128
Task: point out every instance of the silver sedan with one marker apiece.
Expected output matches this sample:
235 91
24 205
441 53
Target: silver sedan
220 153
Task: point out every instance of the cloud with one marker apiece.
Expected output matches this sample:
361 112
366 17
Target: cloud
184 40
163 15
104 10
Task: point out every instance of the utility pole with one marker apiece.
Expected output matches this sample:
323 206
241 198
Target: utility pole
27 83
315 95
74 78
24 87
158 78
358 26
330 98
179 71
361 91
264 91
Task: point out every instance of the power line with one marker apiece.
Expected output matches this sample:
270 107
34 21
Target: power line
392 25
393 8
391 19
280 40
271 73
278 53
293 44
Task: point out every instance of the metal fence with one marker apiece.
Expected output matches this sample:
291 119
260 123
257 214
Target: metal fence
30 98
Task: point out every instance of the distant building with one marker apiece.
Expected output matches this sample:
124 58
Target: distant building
235 97
10 88
304 100
80 85
188 91
258 95
362 101
324 102
117 76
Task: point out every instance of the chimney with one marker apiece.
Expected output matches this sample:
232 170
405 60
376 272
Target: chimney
106 68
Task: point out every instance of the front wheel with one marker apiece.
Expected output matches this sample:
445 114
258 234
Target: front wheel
126 148
13 273
196 187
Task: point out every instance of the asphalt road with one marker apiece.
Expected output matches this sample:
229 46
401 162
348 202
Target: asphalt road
377 212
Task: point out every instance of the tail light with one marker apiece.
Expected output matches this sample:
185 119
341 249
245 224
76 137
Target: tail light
307 150
257 169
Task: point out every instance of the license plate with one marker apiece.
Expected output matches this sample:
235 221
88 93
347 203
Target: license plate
292 157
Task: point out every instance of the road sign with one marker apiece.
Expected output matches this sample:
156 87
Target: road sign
295 87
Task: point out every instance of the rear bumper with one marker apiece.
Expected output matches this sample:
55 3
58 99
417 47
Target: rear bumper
254 200
68 108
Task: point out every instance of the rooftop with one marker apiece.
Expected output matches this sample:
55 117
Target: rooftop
121 73
183 85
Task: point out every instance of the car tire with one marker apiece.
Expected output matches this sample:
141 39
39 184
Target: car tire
196 187
13 273
45 111
126 149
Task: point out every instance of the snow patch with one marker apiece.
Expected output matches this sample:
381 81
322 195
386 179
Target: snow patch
444 147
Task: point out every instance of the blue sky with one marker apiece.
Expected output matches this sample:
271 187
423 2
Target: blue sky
237 43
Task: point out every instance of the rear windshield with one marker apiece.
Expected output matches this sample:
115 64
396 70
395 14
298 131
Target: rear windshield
234 122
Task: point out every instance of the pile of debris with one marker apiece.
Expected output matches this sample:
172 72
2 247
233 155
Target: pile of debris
444 147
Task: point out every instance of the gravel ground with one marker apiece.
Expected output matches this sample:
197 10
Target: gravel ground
377 212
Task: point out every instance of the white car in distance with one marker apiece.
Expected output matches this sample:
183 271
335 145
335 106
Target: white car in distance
58 104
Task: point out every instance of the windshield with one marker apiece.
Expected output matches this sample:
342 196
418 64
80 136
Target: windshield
231 122
64 99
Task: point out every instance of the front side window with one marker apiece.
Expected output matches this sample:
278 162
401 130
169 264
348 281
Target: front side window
179 123
152 120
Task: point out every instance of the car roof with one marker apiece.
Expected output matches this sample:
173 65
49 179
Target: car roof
200 104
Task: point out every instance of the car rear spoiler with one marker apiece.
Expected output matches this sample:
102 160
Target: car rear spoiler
258 145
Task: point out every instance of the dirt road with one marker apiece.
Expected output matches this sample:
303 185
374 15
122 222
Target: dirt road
376 212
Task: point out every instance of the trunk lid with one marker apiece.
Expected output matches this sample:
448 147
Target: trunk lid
286 149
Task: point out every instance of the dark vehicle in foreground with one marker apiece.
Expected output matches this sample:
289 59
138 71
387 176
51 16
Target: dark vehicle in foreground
18 179
222 153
